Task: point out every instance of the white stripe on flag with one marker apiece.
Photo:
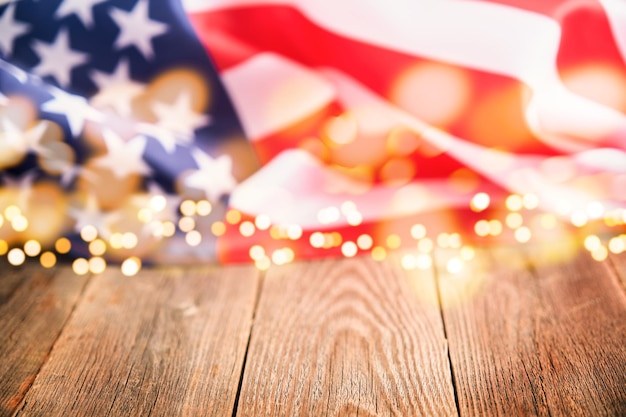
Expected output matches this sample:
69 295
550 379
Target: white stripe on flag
271 92
480 35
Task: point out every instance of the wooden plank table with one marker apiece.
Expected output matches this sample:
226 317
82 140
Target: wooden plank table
512 333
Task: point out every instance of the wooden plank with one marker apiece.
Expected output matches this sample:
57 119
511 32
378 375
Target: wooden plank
34 306
543 338
347 337
167 342
619 263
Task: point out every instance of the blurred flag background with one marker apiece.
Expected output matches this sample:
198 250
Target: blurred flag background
265 131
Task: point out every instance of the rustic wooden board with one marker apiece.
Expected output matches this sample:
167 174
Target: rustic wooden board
167 342
619 264
347 337
536 338
34 305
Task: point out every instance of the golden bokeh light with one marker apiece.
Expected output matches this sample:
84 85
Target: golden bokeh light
349 249
129 240
340 130
454 265
418 231
144 215
97 247
467 253
294 232
16 257
11 212
169 229
425 245
495 227
364 242
63 245
204 208
354 218
186 224
256 252
97 265
19 223
80 266
263 263
600 254
88 233
592 242
218 228
423 261
131 266
193 238
379 253
246 228
617 245
514 202
188 208
530 201
480 202
116 240
32 248
233 216
514 220
481 228
408 262
393 241
48 259
262 222
158 203
523 234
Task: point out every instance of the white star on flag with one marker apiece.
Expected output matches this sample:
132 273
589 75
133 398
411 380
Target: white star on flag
23 185
116 89
57 59
124 158
214 176
74 108
26 139
81 8
10 29
172 201
180 117
90 215
11 136
177 122
137 29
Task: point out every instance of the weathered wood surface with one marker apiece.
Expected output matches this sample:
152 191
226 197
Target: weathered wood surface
168 342
527 336
344 338
34 306
536 336
618 262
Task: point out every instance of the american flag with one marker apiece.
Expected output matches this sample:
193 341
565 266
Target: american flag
371 120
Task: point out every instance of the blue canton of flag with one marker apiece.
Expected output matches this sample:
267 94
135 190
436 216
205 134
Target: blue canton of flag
117 103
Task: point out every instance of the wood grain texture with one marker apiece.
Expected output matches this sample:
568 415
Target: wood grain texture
34 305
347 337
167 342
544 338
619 264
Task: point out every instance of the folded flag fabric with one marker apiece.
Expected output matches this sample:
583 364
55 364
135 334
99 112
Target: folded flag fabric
422 114
375 125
